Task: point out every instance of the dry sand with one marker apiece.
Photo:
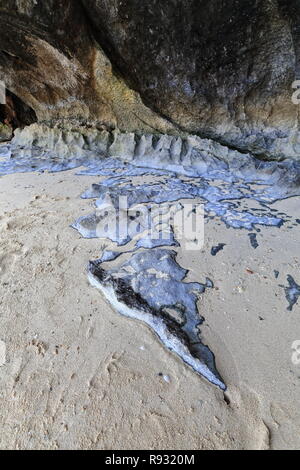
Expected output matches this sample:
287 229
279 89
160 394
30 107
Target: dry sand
77 375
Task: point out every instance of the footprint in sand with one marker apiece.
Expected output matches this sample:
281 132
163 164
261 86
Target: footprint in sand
7 261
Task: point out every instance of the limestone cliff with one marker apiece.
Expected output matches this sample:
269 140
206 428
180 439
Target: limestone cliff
218 69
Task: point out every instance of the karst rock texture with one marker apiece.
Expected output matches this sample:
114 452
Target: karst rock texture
220 69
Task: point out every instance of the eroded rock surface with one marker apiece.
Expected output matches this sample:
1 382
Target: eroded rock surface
50 59
219 69
5 133
222 69
150 287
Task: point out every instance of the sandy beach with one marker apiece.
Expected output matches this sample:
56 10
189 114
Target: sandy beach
76 374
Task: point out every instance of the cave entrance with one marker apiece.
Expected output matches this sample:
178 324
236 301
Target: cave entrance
15 113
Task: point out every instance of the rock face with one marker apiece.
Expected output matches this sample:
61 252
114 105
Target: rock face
5 132
49 59
218 69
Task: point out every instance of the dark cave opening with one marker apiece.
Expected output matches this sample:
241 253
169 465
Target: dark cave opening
15 113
